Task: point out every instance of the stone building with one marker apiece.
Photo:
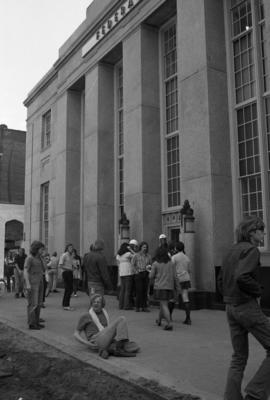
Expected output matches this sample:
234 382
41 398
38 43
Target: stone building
12 176
149 103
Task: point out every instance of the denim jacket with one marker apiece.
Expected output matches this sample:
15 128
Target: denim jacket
238 280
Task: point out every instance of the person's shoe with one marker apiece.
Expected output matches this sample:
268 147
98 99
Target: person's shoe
34 327
187 321
43 305
22 295
168 328
145 310
123 353
55 291
68 308
104 354
41 326
41 320
75 295
158 322
16 295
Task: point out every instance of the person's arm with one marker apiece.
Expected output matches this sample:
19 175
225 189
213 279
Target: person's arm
78 335
27 266
245 274
62 263
103 268
133 260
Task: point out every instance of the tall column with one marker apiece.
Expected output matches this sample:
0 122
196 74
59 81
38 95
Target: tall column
73 168
98 181
142 134
204 131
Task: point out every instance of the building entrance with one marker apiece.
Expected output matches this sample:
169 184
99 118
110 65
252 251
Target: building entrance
174 234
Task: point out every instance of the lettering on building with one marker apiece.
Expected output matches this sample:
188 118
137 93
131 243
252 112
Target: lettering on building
108 25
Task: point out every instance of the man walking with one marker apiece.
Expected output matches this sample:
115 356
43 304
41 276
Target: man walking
241 291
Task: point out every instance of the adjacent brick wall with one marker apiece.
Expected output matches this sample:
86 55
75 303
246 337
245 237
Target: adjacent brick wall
12 165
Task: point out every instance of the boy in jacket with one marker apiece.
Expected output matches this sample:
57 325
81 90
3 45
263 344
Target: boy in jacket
238 281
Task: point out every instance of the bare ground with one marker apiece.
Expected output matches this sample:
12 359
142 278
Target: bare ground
41 372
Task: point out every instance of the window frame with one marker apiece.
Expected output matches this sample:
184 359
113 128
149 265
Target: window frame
46 134
234 107
164 137
44 212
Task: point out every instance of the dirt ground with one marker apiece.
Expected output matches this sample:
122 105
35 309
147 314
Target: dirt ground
41 372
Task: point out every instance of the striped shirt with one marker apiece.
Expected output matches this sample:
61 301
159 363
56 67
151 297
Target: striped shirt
140 261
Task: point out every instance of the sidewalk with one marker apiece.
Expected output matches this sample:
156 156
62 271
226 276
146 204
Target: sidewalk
190 359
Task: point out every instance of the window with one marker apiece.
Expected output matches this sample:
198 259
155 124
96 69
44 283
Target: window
170 113
46 130
44 213
120 138
251 84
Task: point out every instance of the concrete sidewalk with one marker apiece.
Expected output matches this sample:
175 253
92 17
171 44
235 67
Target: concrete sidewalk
190 359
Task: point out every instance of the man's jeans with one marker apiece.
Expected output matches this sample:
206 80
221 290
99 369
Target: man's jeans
243 319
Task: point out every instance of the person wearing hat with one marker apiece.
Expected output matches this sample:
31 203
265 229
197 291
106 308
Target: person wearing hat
108 338
239 284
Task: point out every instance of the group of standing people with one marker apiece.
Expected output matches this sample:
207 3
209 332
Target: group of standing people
168 272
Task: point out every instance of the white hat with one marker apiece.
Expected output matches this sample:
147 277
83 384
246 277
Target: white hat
162 236
134 241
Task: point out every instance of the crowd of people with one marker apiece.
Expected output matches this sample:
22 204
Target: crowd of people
165 275
140 275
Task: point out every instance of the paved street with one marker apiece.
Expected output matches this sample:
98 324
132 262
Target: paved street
190 359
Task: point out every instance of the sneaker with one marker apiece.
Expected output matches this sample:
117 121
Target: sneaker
17 295
41 320
187 321
34 327
22 295
75 295
168 328
68 308
41 326
55 291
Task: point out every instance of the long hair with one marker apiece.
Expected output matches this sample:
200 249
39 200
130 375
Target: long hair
162 255
124 248
249 224
144 244
180 246
67 246
35 246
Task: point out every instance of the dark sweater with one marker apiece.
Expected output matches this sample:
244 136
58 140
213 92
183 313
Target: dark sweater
239 276
97 269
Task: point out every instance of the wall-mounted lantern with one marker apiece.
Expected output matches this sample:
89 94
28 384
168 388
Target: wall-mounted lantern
189 224
124 228
187 218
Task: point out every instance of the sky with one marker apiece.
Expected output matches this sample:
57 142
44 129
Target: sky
31 33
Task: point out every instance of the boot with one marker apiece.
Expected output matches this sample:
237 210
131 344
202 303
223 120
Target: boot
171 305
187 310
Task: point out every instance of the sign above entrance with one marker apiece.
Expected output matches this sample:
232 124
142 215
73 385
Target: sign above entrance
108 25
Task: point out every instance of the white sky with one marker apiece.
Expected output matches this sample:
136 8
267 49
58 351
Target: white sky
31 32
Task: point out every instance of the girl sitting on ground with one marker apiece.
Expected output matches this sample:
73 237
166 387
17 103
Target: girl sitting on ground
101 335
